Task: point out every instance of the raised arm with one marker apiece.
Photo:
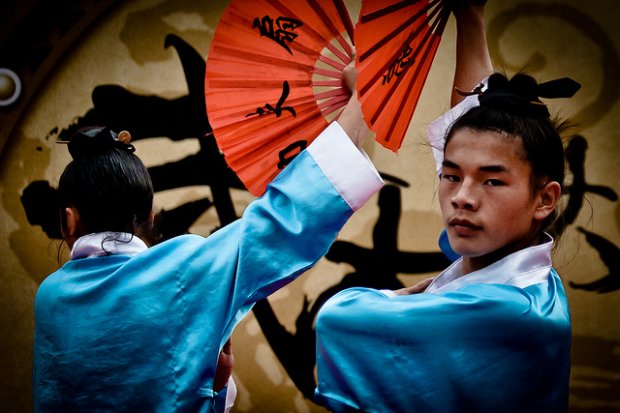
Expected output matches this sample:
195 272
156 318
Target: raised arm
352 118
473 62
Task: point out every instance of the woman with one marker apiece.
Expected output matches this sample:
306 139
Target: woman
123 327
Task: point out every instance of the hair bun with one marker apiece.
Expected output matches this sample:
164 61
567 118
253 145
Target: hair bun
97 140
521 94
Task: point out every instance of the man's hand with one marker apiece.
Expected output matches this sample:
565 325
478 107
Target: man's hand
352 119
415 289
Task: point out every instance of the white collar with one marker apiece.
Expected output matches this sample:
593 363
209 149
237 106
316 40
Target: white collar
521 269
107 243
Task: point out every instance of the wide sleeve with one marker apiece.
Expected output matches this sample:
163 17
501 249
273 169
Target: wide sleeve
429 352
289 228
280 235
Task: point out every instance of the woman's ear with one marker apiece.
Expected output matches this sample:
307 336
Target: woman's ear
546 200
71 225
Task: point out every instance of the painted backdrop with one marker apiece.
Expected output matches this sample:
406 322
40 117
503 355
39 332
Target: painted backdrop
139 65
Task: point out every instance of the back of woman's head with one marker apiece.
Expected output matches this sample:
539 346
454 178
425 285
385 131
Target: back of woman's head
513 108
107 184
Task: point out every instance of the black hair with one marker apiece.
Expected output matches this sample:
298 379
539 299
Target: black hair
512 107
108 185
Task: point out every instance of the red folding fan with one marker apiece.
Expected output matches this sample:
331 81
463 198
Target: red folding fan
396 42
274 81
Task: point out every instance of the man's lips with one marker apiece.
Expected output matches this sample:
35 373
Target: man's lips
460 224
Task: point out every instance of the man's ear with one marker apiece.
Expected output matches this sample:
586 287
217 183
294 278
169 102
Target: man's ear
71 225
547 198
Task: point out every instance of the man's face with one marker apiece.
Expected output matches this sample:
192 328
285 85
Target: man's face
485 193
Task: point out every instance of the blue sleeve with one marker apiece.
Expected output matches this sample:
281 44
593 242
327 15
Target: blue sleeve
280 235
428 352
288 229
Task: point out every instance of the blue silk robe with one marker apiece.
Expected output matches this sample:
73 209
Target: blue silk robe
495 340
140 331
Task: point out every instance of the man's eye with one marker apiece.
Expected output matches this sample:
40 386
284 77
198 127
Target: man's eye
450 178
494 182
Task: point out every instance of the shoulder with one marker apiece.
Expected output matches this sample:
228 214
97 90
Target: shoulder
474 306
177 247
179 240
539 309
354 297
355 309
49 286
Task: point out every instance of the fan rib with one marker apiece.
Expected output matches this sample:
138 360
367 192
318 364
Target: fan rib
324 17
421 47
330 93
387 10
331 62
399 79
270 141
408 91
333 104
389 61
393 34
259 58
438 24
244 132
328 73
342 56
346 46
284 10
345 17
346 20
229 84
327 83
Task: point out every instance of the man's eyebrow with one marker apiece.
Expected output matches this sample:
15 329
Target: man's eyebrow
449 164
494 168
486 168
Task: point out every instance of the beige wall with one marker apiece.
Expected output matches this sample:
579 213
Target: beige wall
124 46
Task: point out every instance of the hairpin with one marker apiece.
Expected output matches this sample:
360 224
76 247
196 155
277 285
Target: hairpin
497 91
521 94
91 141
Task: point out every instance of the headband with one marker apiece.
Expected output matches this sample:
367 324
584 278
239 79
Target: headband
98 140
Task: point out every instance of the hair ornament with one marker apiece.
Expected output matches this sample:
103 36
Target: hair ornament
475 91
98 140
558 88
521 94
125 137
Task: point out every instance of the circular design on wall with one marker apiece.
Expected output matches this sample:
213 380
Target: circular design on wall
10 87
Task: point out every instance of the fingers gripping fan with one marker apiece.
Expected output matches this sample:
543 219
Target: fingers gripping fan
274 81
396 42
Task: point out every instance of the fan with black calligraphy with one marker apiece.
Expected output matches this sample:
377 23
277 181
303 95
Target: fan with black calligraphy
274 81
396 42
